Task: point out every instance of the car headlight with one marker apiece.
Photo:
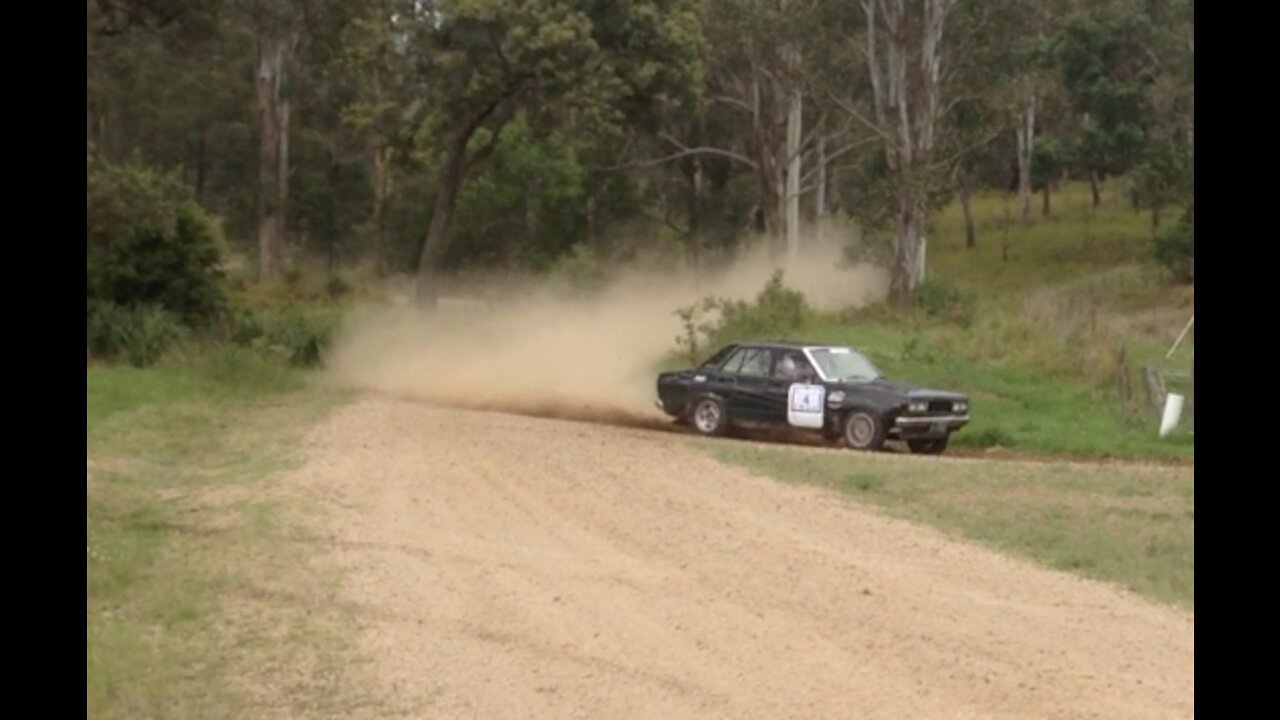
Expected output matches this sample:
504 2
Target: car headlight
917 406
835 398
960 407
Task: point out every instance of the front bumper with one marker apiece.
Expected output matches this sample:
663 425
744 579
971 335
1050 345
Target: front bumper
927 426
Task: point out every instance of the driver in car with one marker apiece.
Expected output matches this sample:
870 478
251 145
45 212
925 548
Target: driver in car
791 369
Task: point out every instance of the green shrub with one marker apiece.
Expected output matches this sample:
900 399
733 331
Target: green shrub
337 287
943 301
149 243
247 369
1175 246
914 351
714 322
244 325
300 336
141 334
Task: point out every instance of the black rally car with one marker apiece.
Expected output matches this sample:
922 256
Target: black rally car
830 389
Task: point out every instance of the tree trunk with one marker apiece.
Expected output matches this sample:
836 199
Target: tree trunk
450 185
1044 207
589 219
907 103
908 265
282 173
379 210
766 173
693 237
966 204
1008 223
381 155
331 233
1095 188
820 192
272 152
437 240
1026 133
792 232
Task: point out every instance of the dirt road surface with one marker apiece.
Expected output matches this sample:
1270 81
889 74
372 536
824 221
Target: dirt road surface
516 567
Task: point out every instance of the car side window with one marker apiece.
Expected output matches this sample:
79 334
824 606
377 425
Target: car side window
757 363
715 360
734 363
794 367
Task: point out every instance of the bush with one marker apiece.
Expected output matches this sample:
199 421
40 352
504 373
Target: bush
149 243
337 288
140 334
299 336
1175 247
914 351
942 301
714 322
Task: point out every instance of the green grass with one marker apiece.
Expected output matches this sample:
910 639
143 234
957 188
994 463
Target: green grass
1075 241
187 549
1039 336
1129 525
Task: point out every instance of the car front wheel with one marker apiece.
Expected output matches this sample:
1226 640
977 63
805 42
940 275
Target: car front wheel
709 416
864 430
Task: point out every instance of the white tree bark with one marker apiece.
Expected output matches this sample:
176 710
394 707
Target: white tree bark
906 103
792 223
1026 133
271 159
820 191
275 39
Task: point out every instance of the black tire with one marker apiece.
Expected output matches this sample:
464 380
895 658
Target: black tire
708 416
928 446
863 430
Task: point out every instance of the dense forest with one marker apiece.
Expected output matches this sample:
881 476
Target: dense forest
430 136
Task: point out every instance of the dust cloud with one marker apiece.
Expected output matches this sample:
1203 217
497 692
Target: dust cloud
523 348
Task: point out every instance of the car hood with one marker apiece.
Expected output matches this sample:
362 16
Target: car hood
894 387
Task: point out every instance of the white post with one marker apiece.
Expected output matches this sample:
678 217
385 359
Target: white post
1172 411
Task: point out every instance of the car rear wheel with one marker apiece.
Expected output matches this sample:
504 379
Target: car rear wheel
864 430
928 446
709 416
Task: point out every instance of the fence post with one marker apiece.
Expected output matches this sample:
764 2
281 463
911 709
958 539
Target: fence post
1191 395
1122 377
1155 388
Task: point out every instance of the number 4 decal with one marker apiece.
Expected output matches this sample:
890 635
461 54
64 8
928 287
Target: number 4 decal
805 404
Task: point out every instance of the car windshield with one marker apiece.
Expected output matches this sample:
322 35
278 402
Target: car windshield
842 363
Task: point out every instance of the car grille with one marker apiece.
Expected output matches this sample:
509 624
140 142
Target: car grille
940 406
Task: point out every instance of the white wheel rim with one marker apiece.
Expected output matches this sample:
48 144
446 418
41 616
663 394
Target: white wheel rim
707 416
861 429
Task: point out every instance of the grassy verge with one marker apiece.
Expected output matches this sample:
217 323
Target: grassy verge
1033 327
1039 330
1130 525
1017 405
199 600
